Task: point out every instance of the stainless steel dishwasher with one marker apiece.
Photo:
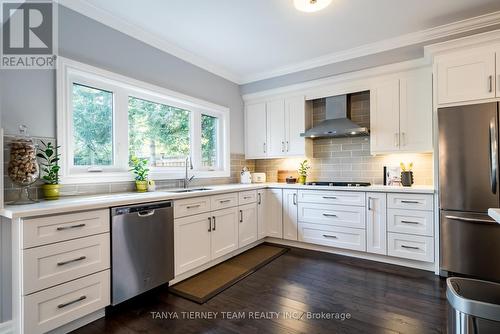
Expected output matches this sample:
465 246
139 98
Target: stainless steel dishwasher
142 248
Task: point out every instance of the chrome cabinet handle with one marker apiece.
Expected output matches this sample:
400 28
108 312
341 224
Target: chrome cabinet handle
329 215
410 222
490 84
330 236
472 220
265 148
146 213
329 197
259 198
193 206
213 218
493 156
241 216
71 261
62 228
72 302
294 198
282 146
209 224
225 201
410 247
370 203
247 197
396 139
287 146
410 202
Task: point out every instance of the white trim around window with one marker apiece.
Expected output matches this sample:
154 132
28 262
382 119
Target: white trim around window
122 87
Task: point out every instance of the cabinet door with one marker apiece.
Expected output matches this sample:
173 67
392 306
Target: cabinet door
295 125
274 213
276 128
247 224
465 76
192 242
376 223
224 232
255 131
384 117
416 111
290 214
261 213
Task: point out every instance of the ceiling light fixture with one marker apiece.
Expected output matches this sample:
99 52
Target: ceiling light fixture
310 6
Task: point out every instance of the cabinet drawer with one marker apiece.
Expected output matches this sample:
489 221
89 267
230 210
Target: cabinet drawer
332 197
410 201
191 206
336 215
341 237
50 229
414 247
247 197
54 264
52 308
224 201
410 221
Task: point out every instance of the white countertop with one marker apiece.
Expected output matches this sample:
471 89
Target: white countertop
81 203
495 214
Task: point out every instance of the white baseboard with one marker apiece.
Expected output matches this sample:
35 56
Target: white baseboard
6 327
429 266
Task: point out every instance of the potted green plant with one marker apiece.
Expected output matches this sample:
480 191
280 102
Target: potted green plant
141 171
49 159
303 170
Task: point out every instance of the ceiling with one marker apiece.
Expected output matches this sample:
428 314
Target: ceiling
250 40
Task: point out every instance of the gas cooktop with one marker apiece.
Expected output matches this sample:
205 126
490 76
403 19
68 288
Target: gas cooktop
338 184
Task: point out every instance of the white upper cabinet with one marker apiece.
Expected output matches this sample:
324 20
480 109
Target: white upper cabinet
276 128
255 131
401 113
273 128
384 117
415 111
465 75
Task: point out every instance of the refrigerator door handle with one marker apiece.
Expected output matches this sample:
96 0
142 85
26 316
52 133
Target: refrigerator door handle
493 156
472 220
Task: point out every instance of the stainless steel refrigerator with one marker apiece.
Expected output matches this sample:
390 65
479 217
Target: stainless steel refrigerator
468 186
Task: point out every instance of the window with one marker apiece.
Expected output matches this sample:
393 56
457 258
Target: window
158 132
104 119
92 126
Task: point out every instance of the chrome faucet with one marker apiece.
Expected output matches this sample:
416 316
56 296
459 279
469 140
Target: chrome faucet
188 179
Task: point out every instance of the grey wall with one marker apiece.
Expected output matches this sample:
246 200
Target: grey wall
28 96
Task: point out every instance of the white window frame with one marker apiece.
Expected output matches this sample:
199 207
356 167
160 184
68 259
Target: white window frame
70 71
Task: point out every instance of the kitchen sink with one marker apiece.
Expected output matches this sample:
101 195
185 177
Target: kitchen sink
189 190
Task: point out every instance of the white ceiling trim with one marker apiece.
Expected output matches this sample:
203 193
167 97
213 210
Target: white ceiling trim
111 20
418 37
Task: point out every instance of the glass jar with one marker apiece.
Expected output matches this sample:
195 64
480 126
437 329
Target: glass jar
23 167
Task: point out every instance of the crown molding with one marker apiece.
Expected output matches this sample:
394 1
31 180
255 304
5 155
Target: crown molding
483 39
111 20
414 38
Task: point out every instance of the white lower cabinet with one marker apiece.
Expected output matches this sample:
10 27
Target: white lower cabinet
336 215
261 213
192 242
335 236
224 232
57 306
414 247
274 213
376 223
290 214
247 224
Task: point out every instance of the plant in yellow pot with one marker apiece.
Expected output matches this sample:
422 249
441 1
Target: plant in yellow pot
49 159
303 170
141 171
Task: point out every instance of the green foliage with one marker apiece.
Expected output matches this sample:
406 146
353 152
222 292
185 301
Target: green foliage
304 168
49 161
158 130
208 140
92 126
139 168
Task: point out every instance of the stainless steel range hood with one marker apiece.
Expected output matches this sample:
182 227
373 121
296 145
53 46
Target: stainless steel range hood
337 122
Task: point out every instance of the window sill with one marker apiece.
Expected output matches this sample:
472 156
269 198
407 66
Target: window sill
111 177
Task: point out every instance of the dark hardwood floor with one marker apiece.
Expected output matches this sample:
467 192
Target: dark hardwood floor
379 298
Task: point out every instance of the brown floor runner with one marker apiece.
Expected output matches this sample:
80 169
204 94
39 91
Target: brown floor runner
205 285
